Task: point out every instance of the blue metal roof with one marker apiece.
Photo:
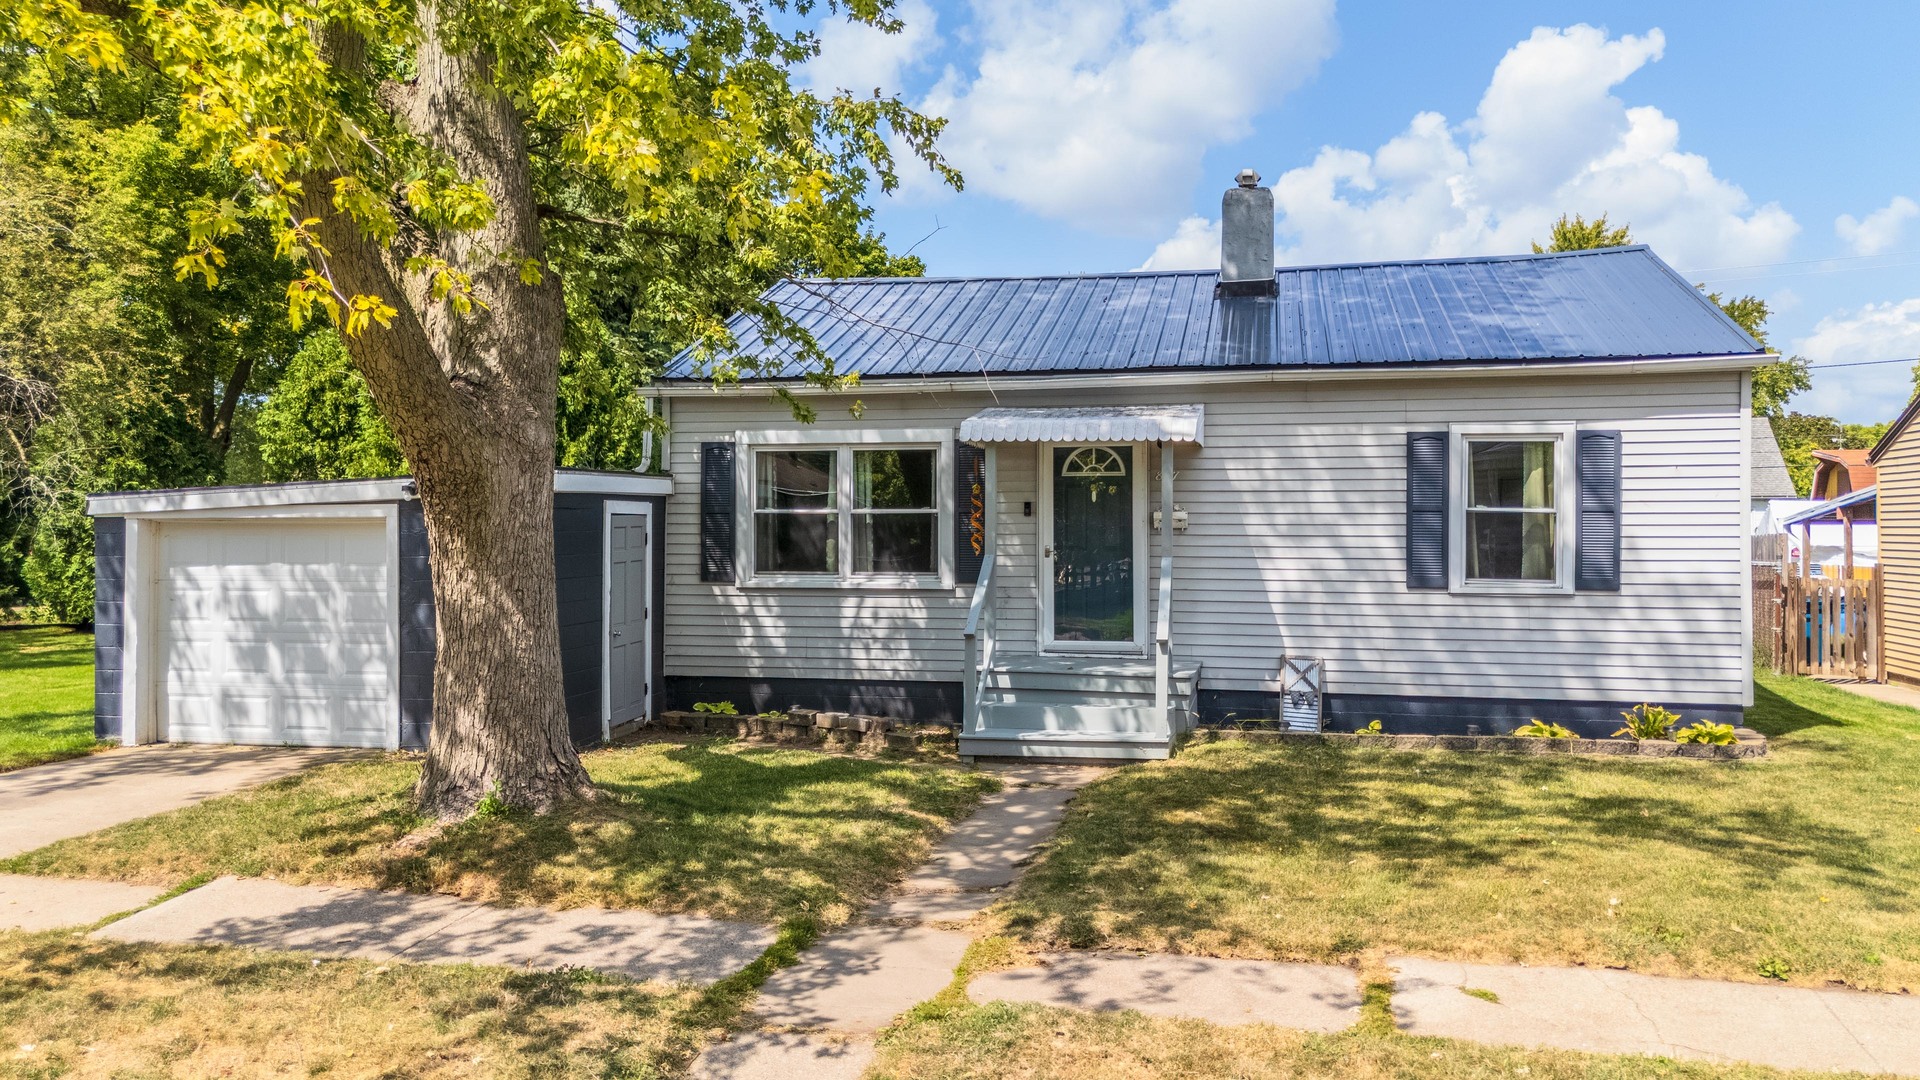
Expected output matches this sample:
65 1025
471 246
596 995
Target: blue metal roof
1608 304
1826 510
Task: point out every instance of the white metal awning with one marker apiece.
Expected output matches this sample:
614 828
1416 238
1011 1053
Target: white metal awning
1111 423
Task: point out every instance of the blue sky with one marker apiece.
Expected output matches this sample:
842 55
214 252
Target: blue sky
1763 148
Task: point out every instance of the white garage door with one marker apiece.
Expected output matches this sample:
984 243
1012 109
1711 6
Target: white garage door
276 632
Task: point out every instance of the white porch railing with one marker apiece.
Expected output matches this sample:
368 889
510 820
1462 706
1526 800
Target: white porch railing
981 614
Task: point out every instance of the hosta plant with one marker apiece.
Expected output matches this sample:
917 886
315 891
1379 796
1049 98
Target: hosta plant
1707 733
1541 729
1648 721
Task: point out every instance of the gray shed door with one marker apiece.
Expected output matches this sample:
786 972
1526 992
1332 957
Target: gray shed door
276 632
628 647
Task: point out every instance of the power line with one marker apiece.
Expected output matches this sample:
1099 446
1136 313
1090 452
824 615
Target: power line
1802 262
1868 363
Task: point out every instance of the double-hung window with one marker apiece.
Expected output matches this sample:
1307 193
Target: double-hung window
1511 514
852 514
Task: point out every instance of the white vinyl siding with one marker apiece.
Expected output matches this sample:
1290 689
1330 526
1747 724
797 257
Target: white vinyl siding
1297 506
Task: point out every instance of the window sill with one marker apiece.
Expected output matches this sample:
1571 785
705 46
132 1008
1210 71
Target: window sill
875 584
1501 588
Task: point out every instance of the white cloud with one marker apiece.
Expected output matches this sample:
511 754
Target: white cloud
1860 395
1549 137
1194 245
860 59
1097 112
1878 231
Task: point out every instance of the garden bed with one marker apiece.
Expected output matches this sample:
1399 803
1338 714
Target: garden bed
1747 743
811 727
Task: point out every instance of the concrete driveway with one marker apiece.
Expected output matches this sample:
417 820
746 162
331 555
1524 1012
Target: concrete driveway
71 798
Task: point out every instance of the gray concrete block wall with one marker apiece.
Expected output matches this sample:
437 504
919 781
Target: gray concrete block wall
109 623
417 640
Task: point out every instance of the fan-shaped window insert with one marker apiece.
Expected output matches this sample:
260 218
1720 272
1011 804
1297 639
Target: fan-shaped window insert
1093 461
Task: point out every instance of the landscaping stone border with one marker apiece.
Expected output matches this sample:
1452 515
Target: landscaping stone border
1748 743
811 727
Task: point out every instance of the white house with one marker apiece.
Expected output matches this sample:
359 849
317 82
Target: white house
1476 490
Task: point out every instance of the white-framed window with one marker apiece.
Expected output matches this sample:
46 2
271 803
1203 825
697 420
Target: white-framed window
846 509
1511 508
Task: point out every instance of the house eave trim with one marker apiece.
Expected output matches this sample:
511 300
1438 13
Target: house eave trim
574 483
1184 377
343 492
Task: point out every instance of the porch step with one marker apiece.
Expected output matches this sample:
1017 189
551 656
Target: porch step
1066 717
1086 675
1074 745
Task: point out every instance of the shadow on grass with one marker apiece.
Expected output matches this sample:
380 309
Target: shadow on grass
762 834
569 1022
41 648
1773 715
757 833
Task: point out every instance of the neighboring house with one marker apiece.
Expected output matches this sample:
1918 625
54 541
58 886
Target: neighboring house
1840 472
1840 534
1478 490
1896 457
1770 479
303 613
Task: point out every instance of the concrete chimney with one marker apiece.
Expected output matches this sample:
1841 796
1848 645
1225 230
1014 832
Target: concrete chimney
1246 238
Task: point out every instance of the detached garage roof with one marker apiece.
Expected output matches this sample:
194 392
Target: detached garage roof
1608 304
345 492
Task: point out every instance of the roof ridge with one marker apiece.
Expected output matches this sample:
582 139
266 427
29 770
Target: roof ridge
1278 271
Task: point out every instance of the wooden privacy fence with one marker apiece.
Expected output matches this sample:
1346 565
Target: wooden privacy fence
1769 605
1830 627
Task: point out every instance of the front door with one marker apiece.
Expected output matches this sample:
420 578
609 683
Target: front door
627 640
1088 562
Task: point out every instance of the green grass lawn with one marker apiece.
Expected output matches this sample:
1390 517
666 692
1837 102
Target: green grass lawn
46 695
1806 863
990 1041
70 1006
708 827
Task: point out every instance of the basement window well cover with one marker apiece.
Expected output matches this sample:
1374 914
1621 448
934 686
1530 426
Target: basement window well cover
1109 424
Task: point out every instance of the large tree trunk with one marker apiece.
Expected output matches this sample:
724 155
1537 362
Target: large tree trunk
471 402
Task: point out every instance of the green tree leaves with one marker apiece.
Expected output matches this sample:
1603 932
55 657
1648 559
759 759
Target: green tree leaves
321 423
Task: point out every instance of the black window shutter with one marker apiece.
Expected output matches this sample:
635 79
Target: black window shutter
969 512
1427 509
716 511
1596 559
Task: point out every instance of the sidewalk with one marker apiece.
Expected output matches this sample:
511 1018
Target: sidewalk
45 803
1889 692
818 1017
363 923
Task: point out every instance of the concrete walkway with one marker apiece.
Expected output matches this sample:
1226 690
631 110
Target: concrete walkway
72 798
40 903
1310 997
819 1015
372 925
1617 1012
1891 693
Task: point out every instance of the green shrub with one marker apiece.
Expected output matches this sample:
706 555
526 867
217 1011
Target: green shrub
1541 729
1648 721
1705 732
1373 728
721 708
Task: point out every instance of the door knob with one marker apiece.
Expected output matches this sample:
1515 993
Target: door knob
1051 551
616 633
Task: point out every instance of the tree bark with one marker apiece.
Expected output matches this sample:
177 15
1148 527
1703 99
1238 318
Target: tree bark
471 402
221 431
